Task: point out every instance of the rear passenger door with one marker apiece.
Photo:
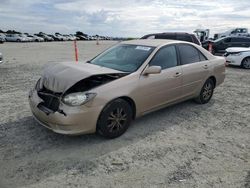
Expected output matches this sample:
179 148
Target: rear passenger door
195 67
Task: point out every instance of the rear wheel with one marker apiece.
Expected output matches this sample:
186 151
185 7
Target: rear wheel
246 63
114 119
206 92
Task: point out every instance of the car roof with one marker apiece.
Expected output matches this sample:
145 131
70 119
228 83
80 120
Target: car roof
150 42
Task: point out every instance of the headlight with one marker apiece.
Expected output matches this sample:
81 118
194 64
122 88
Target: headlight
77 99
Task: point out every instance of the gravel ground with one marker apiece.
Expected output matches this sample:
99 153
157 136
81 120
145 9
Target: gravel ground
185 145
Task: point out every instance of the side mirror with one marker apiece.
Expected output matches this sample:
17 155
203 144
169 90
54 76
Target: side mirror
152 70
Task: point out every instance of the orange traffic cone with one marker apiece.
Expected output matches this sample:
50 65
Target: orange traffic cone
76 51
210 47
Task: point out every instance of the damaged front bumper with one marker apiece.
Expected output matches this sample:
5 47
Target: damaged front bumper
68 120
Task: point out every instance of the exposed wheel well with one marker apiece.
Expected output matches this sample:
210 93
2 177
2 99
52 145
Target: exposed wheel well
131 103
213 79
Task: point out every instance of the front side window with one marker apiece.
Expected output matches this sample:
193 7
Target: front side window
189 54
165 57
124 57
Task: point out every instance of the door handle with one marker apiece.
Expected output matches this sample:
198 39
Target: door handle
177 74
205 66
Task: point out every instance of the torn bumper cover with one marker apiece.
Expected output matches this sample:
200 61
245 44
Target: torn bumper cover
58 80
73 120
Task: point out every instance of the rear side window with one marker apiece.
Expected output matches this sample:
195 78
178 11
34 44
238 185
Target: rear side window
165 57
189 54
165 36
184 38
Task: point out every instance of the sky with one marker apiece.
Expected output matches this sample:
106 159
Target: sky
123 18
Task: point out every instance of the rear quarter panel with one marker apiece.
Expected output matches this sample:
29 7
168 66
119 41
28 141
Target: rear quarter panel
219 69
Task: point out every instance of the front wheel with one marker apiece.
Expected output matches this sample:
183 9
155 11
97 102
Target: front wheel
115 119
246 63
206 92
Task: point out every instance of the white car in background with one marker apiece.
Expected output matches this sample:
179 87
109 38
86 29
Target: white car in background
238 56
36 38
2 38
15 38
28 39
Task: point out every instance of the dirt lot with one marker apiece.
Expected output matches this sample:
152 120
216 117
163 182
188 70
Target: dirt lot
186 145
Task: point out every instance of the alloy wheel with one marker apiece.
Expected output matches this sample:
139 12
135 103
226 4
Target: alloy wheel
207 91
246 63
116 120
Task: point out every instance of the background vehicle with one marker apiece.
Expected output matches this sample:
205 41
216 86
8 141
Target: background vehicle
56 38
238 56
232 32
126 81
202 34
45 37
1 58
61 37
2 38
28 39
68 38
72 37
35 38
174 36
15 38
81 35
220 45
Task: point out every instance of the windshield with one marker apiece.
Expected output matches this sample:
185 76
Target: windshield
126 58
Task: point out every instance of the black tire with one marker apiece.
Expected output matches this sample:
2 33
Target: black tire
206 92
18 40
213 51
115 119
246 63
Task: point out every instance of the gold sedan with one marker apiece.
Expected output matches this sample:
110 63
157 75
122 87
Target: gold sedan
124 82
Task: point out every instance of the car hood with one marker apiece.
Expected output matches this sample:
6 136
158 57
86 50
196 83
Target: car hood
237 49
59 77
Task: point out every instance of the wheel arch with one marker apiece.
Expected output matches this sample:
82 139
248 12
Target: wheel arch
244 59
131 103
213 79
129 100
